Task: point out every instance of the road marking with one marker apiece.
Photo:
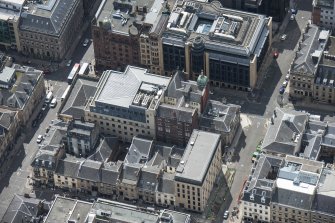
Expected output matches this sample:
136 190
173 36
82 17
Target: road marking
258 124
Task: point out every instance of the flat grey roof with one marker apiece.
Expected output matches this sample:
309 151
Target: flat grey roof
63 209
197 157
6 74
119 89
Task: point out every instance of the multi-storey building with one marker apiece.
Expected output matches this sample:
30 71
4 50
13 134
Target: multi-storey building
324 83
70 210
277 9
258 189
323 13
125 103
322 209
304 65
284 134
9 23
81 137
223 119
22 88
194 180
9 126
48 29
178 113
128 33
227 45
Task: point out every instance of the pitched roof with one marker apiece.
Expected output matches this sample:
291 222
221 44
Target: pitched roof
90 170
110 172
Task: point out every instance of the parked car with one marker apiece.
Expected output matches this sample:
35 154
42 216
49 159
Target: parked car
44 106
39 139
292 17
283 37
287 77
285 84
40 115
281 90
68 64
226 215
86 41
34 123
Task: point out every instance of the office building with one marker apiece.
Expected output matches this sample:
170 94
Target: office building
9 23
129 33
323 14
48 29
125 103
258 189
227 45
277 9
194 180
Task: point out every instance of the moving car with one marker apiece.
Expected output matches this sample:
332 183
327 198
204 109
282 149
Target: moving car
283 37
53 103
292 17
39 139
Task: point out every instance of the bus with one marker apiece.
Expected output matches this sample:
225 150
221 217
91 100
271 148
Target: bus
73 73
84 69
66 92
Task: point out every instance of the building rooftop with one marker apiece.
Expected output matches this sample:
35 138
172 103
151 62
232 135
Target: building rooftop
119 16
324 3
49 18
22 209
284 132
22 87
310 49
66 209
218 116
134 87
6 119
115 211
325 193
6 76
228 30
260 183
82 90
197 157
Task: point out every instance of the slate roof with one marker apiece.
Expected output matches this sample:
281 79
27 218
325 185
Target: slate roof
19 93
107 146
69 166
90 170
130 173
49 19
279 136
325 194
110 172
23 209
149 178
218 117
329 137
303 61
6 118
293 199
139 151
82 90
262 180
166 184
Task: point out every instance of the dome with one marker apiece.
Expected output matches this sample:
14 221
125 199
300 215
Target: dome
202 80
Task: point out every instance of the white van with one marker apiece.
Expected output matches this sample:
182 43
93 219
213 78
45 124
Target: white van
53 103
49 97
